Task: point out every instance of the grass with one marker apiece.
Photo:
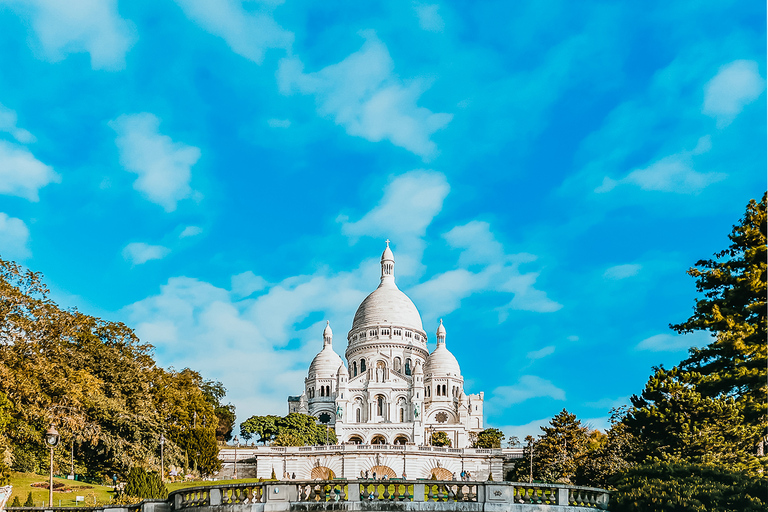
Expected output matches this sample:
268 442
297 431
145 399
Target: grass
22 485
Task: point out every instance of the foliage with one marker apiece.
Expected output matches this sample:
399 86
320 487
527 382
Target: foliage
214 393
30 502
489 438
557 452
607 454
734 309
96 381
295 429
144 484
440 438
684 487
16 502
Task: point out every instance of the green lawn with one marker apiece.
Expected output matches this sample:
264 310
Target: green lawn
22 484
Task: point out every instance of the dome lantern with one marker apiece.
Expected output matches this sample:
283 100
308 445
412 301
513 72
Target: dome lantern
327 333
440 332
387 264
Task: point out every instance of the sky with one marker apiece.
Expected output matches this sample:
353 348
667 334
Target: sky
221 176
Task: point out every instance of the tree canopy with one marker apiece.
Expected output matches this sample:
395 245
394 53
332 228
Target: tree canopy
295 429
98 384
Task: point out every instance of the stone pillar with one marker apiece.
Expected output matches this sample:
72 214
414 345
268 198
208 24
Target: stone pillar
215 496
418 492
562 496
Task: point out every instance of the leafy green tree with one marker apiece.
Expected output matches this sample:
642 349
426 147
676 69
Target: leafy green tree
30 502
733 308
16 502
556 454
292 430
214 393
95 380
143 484
489 438
683 487
607 454
440 438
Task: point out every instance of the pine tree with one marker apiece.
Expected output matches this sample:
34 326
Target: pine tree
30 502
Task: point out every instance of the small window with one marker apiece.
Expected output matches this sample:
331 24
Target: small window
362 365
408 334
354 368
362 335
407 366
398 332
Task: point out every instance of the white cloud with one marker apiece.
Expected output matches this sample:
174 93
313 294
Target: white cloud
8 124
429 18
541 353
21 174
14 238
363 94
92 26
736 85
249 33
191 231
247 283
163 165
608 403
532 428
279 123
139 252
497 272
409 204
675 342
191 320
527 387
673 173
622 271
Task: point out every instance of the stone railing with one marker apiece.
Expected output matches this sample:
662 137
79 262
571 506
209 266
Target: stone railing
228 454
413 495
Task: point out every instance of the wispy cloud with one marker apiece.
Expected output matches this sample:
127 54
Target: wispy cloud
21 174
618 272
163 166
91 26
138 252
249 33
429 17
736 85
527 387
190 231
363 94
674 342
409 204
541 353
14 238
9 124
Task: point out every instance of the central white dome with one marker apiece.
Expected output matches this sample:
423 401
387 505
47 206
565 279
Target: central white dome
387 305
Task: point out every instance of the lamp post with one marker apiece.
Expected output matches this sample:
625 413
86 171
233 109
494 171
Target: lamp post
51 439
162 458
237 443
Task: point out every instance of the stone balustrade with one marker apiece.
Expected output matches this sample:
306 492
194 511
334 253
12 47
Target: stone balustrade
368 495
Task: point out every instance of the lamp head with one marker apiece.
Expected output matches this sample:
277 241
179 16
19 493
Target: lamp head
52 436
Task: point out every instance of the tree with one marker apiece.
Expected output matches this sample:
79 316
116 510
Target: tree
30 502
683 487
556 454
734 309
607 454
214 393
143 484
295 429
489 438
440 439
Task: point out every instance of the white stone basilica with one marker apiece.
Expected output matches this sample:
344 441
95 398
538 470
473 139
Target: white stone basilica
392 390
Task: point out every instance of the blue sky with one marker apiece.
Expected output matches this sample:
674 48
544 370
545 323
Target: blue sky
221 175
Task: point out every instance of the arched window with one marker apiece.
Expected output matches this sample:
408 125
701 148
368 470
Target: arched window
354 368
327 390
427 390
445 391
397 364
407 366
380 405
362 365
322 390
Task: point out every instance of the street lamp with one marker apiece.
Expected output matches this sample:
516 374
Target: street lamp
162 459
51 439
237 443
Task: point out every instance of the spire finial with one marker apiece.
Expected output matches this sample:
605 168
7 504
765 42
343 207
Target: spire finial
440 332
327 333
387 240
387 264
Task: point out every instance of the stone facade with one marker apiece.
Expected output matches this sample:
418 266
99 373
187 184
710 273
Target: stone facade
392 390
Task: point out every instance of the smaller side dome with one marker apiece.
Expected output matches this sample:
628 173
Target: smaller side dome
327 362
441 362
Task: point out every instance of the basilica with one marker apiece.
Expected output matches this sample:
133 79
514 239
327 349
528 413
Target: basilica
391 390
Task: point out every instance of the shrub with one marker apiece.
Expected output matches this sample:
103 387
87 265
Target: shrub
143 484
30 502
